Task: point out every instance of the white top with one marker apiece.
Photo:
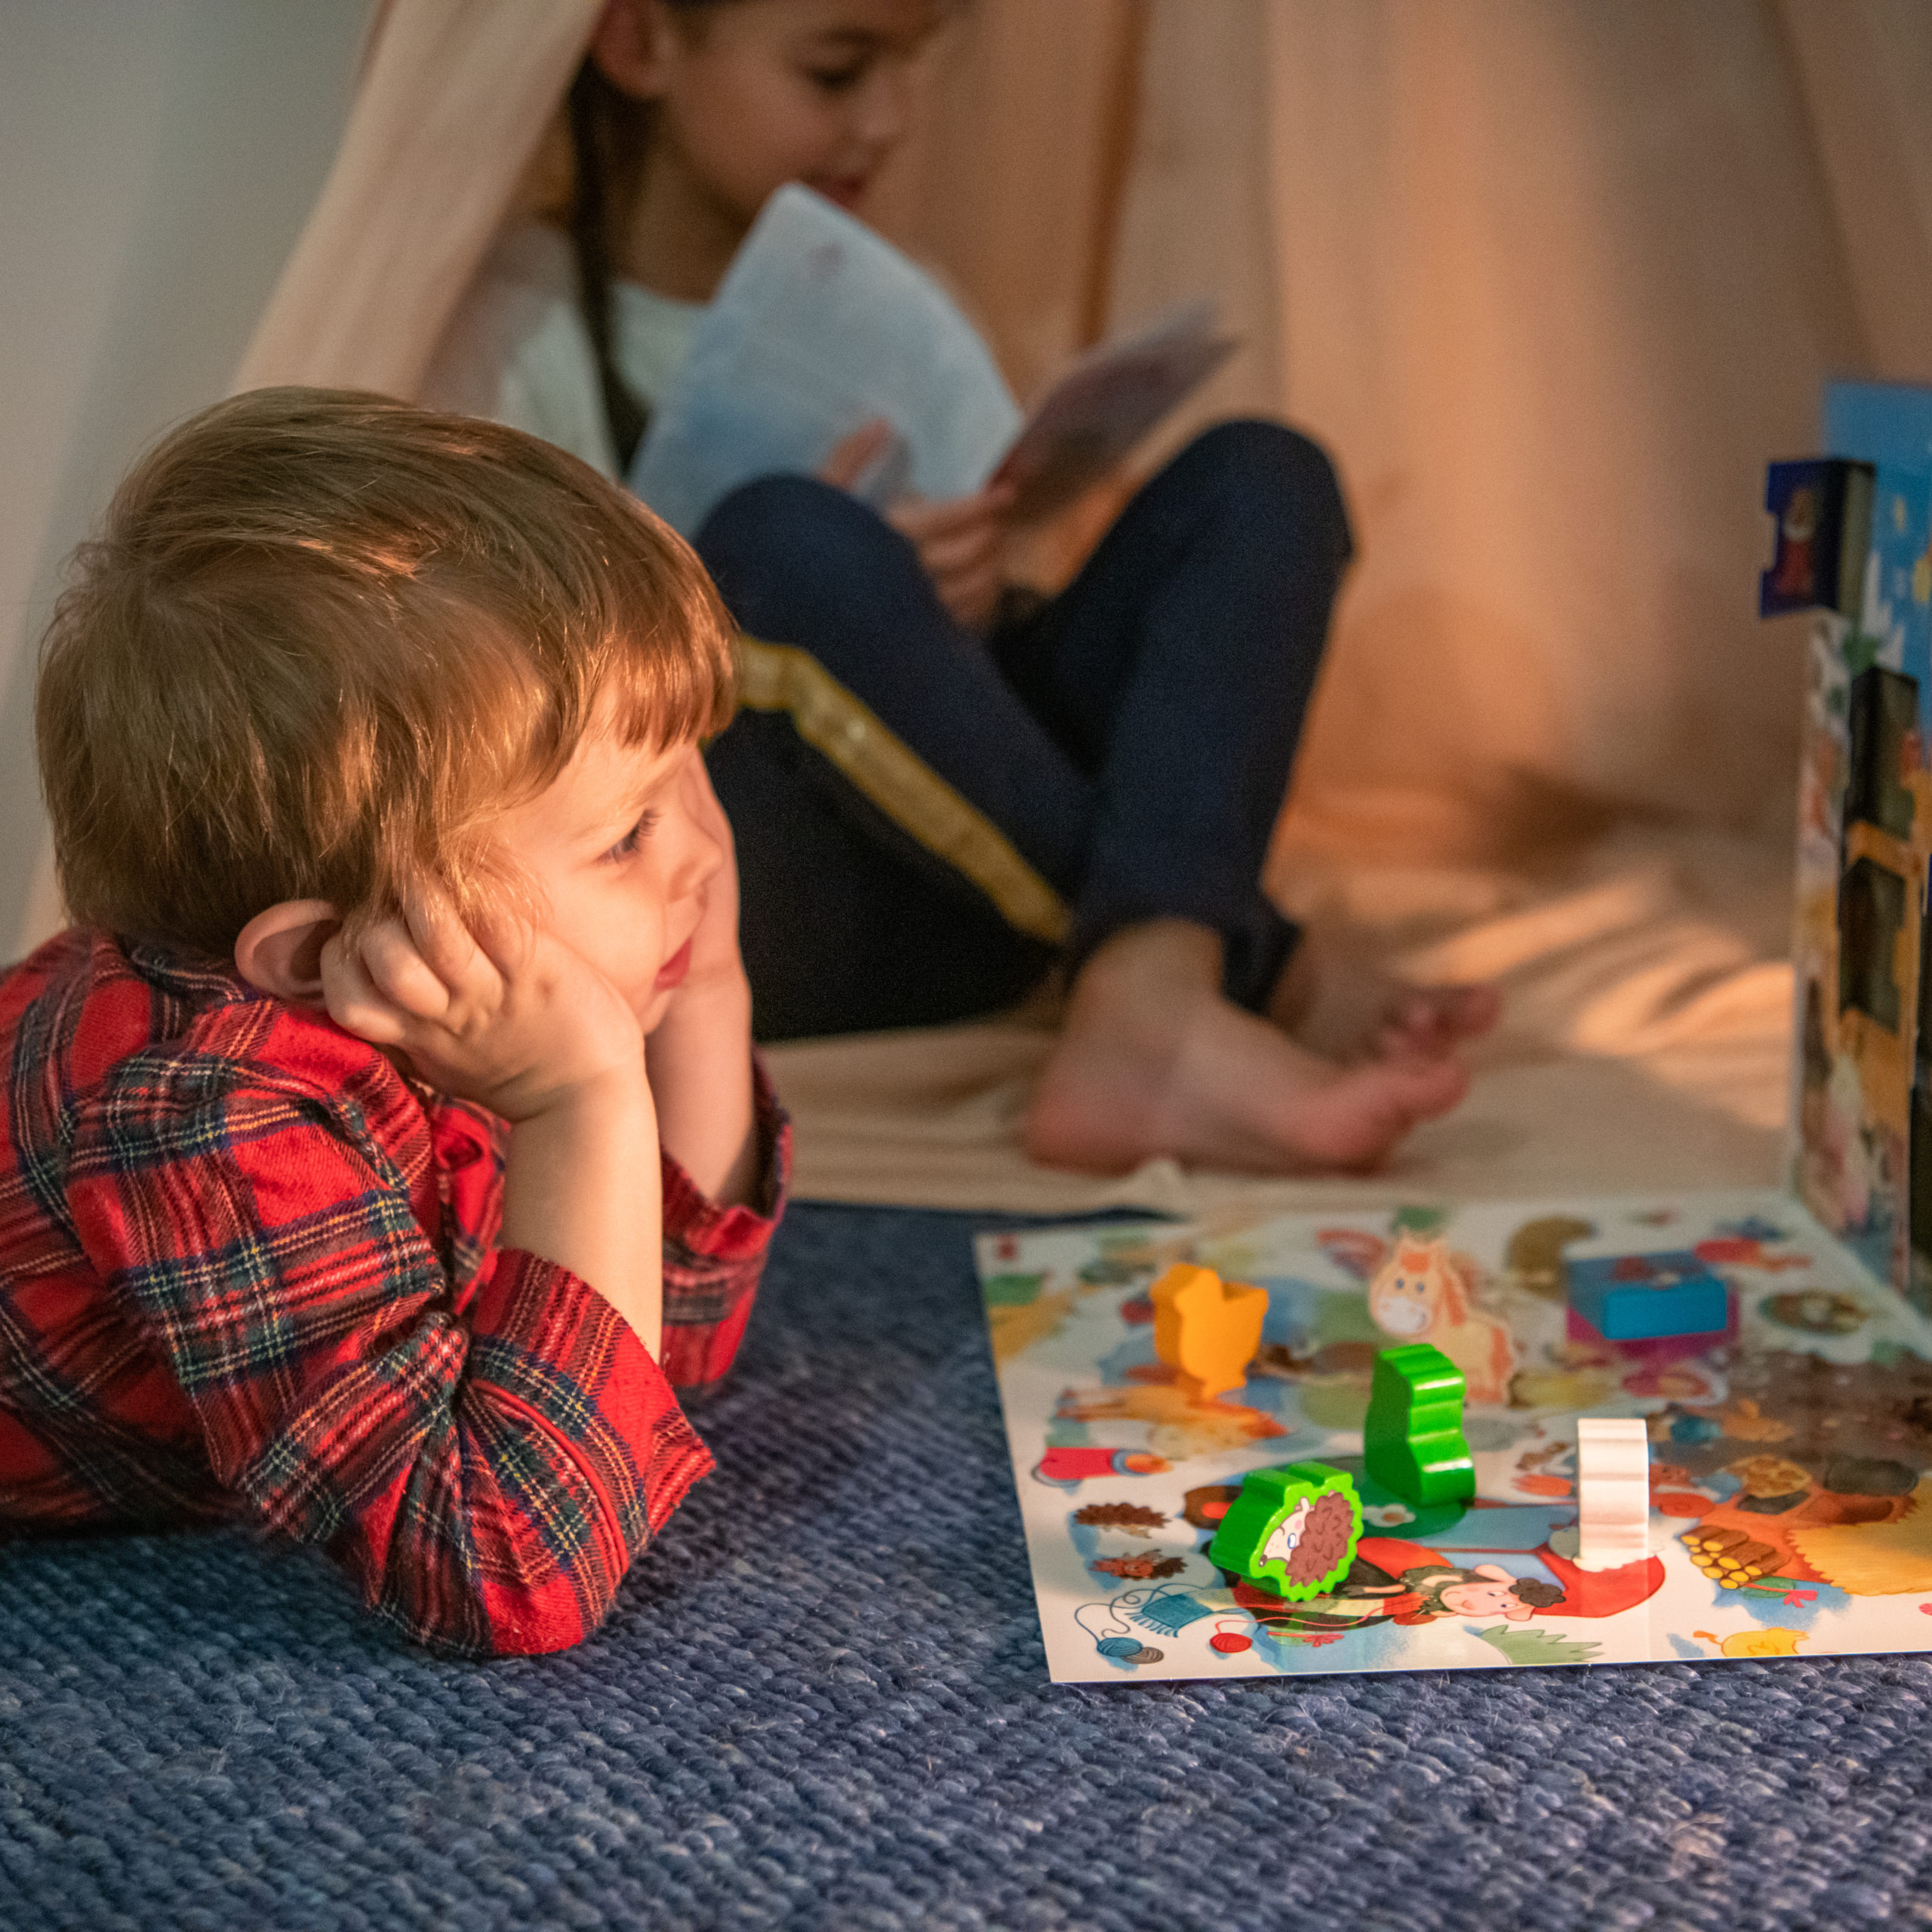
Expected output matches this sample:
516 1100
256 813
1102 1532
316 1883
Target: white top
517 351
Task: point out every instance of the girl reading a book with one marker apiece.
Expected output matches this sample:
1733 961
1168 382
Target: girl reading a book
942 789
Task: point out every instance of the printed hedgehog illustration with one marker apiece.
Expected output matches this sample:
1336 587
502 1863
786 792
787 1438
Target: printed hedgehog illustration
1321 1543
1135 1518
1138 1569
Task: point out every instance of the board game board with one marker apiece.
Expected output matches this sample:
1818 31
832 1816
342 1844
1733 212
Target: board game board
1791 1460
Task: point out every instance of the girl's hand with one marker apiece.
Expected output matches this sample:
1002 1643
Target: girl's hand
851 454
496 1012
961 542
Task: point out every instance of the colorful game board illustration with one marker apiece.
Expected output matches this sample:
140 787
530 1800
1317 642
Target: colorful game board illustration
1790 1449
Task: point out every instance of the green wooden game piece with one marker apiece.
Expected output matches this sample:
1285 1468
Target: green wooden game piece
1423 1520
1291 1530
1412 1438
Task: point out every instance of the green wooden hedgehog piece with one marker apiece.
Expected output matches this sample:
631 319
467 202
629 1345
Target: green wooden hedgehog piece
1291 1530
1412 1438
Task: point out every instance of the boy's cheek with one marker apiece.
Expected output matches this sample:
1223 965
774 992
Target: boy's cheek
625 938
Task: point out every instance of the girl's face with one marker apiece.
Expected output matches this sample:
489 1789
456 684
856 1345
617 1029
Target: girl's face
752 94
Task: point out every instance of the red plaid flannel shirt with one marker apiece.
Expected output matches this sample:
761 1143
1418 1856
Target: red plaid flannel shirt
245 1268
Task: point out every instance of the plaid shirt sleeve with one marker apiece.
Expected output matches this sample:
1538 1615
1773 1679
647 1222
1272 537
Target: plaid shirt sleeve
713 1256
485 1463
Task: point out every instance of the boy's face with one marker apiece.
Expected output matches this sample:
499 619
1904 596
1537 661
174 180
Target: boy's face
619 845
756 92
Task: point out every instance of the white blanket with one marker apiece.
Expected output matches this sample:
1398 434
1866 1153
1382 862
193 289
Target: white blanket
1645 1044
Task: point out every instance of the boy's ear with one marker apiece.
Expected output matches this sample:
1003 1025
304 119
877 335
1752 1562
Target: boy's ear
280 951
629 44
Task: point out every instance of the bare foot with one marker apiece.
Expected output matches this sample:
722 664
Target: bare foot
1337 1003
1153 1060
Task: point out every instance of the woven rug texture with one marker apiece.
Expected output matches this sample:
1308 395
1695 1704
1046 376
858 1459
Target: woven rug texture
821 1702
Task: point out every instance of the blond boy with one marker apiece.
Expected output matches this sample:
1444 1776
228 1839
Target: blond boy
404 965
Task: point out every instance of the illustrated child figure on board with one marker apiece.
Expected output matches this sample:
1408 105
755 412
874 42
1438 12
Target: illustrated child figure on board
384 1141
1084 784
1423 1592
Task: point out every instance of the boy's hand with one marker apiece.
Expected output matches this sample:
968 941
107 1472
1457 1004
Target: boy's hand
699 1056
716 964
510 1018
961 542
501 1014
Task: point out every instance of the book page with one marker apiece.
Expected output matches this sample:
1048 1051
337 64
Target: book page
1091 418
820 326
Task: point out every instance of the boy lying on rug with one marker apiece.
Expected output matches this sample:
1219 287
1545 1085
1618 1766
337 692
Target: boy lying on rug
406 951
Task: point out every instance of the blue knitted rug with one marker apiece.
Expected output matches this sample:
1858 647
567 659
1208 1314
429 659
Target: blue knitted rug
821 1702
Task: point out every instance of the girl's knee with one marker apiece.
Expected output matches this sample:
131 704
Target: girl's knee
795 536
799 562
1254 447
1254 460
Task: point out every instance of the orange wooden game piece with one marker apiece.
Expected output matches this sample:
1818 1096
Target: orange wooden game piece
1206 1329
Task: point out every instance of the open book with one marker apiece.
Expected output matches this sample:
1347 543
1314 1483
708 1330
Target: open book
821 326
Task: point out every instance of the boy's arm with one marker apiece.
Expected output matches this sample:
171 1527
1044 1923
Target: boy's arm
699 1059
726 1145
714 1255
485 1457
571 1194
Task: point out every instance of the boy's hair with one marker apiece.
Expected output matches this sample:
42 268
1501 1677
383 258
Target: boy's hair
323 638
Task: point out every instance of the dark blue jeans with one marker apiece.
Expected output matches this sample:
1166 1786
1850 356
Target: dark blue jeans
1132 736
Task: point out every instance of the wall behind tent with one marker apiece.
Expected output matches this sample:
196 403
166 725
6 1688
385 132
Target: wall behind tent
159 159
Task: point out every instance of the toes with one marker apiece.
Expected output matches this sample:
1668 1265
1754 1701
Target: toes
1436 1020
1465 1011
1358 1120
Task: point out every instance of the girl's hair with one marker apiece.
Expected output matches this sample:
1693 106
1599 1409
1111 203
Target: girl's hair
609 132
323 639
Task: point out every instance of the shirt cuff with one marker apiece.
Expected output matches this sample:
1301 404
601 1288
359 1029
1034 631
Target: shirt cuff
559 1352
714 1255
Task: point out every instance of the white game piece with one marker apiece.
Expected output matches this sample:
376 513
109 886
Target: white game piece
1613 1491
